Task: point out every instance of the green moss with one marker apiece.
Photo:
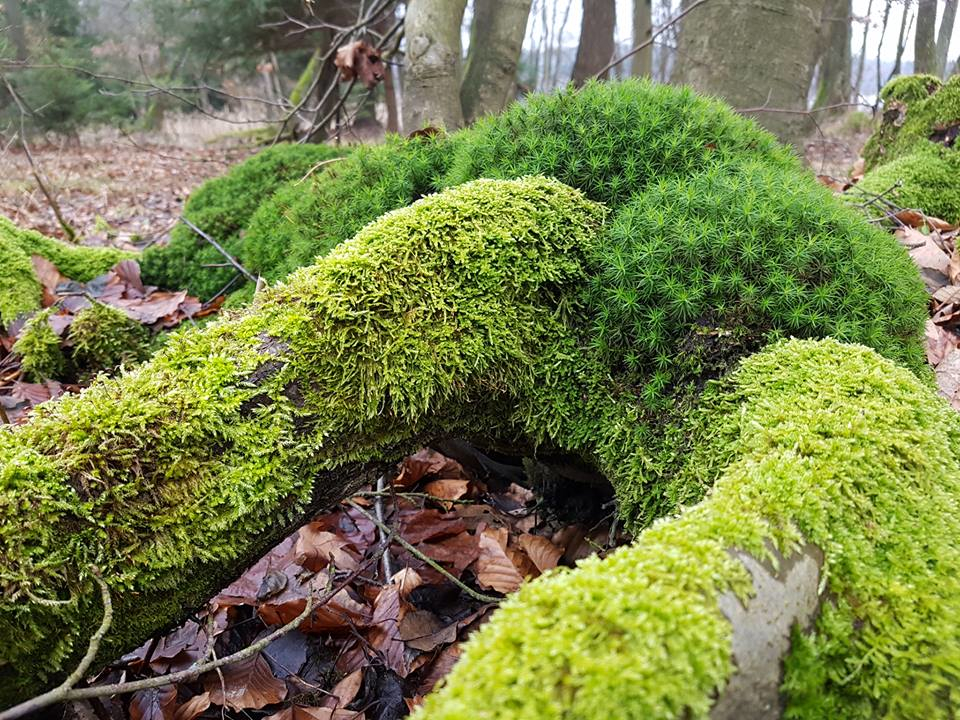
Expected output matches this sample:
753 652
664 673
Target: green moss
825 443
20 291
910 88
103 338
928 181
913 120
221 208
304 220
39 349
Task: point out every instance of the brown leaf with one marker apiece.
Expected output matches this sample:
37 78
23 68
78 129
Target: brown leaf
244 590
458 551
343 693
341 611
940 343
49 276
439 669
316 548
494 569
152 308
918 220
153 703
447 489
384 635
193 707
953 269
417 525
248 684
427 463
544 554
300 712
833 183
359 60
422 630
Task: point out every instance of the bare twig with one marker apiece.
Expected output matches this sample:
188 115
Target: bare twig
469 591
34 170
384 536
316 167
649 41
62 691
230 258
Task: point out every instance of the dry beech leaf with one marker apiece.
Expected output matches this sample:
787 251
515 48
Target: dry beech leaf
407 580
953 269
415 525
49 276
384 635
439 669
153 704
247 685
544 554
447 489
427 463
193 707
300 712
494 569
458 551
422 630
343 693
918 220
316 548
940 343
522 562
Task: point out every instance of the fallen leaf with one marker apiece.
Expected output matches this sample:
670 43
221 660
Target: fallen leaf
343 693
439 669
246 685
544 554
953 269
317 548
424 631
427 463
459 551
154 703
494 568
918 220
415 525
193 707
49 276
940 343
300 712
447 489
384 635
948 378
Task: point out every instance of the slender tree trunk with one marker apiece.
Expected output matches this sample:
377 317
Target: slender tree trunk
883 34
431 86
642 62
944 35
858 81
721 54
496 36
905 23
596 39
18 34
835 61
924 42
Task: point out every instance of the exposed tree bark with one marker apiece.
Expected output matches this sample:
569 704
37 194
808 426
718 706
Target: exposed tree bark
432 71
720 54
863 49
596 39
944 35
496 37
835 61
905 23
642 63
924 42
18 34
883 34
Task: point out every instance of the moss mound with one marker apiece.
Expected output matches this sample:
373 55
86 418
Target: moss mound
304 220
20 290
39 349
822 443
929 180
915 119
221 208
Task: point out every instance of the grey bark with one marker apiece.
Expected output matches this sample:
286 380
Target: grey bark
924 42
642 63
905 23
883 34
863 50
596 39
496 36
431 92
835 61
944 35
755 54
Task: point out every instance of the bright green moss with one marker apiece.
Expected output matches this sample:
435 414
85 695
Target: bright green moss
929 181
304 220
910 88
825 443
20 291
39 349
221 208
102 338
909 125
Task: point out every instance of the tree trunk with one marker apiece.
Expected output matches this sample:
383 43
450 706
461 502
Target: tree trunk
905 23
642 63
883 34
431 89
596 40
834 82
18 33
945 34
720 54
924 42
858 80
490 76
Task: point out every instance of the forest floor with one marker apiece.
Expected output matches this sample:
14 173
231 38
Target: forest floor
390 629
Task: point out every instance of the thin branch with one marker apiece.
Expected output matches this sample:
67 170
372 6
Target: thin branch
384 536
61 692
649 41
230 258
421 556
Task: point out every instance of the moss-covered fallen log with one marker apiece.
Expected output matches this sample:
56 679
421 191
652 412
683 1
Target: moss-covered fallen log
820 577
504 311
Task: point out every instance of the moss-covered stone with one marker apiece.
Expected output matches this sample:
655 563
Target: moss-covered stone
929 180
914 119
102 338
20 290
822 443
221 208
